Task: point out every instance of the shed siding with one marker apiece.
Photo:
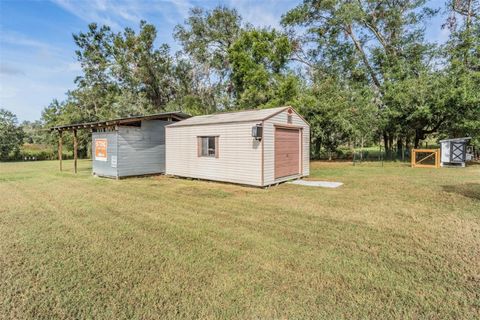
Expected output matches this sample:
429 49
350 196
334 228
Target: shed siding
269 147
141 150
104 168
239 155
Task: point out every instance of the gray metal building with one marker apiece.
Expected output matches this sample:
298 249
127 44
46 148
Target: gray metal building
131 148
128 146
454 152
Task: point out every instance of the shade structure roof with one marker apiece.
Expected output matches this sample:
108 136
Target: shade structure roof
230 117
457 139
176 115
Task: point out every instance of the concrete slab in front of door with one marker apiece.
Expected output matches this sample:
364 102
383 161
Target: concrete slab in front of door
324 184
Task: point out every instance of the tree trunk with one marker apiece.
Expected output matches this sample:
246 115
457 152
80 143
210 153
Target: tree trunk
385 143
361 148
363 56
390 145
399 147
418 137
408 142
317 148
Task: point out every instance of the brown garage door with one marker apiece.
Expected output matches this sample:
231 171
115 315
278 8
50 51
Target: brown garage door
287 152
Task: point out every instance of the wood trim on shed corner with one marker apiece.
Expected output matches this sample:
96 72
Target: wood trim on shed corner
263 152
301 152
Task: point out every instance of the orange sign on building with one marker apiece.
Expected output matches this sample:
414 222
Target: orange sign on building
101 149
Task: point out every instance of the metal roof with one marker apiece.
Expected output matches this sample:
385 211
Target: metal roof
456 139
230 117
176 115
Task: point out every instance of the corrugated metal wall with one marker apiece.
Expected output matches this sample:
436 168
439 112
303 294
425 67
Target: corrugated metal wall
105 168
141 150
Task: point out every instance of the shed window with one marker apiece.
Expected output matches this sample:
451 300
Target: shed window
208 146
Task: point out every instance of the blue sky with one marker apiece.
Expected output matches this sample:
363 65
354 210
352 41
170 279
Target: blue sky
37 59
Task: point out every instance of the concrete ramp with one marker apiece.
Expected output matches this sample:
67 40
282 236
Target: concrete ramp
323 184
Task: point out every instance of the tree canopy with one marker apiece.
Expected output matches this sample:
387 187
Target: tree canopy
11 134
359 71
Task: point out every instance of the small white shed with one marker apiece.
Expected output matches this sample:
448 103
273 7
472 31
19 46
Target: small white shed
255 147
454 151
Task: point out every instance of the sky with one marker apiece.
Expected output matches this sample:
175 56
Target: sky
37 52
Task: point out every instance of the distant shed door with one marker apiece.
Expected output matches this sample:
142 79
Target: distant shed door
287 152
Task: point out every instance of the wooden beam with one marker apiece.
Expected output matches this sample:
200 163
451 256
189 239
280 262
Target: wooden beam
412 159
75 147
431 153
263 152
437 158
60 143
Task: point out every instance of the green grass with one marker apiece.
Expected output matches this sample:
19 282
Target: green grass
393 242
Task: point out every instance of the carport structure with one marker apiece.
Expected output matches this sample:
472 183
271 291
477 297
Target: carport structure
109 125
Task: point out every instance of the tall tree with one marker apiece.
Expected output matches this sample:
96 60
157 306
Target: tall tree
33 132
376 43
206 38
11 134
461 85
96 88
123 73
142 70
326 107
259 63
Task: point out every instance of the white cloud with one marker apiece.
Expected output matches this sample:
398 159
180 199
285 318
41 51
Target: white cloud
116 13
18 39
11 70
443 35
265 13
7 91
183 7
32 73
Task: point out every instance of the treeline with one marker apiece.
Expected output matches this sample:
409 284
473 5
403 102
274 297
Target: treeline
361 72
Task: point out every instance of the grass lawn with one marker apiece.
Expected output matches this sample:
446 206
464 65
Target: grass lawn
393 242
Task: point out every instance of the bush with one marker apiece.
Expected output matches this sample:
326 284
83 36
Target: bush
36 152
41 155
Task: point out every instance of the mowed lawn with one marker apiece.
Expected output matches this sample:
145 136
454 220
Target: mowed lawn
393 242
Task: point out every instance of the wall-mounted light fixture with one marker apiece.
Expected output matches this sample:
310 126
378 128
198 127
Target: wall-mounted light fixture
257 132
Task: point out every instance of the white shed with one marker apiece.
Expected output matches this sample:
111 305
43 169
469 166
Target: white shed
454 151
255 147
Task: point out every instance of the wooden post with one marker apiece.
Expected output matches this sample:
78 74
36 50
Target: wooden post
437 158
412 154
75 146
60 142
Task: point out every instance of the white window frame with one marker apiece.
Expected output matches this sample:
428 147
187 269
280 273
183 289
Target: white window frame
207 146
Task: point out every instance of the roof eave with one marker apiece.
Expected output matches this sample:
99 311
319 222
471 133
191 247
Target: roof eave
109 123
179 124
456 139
